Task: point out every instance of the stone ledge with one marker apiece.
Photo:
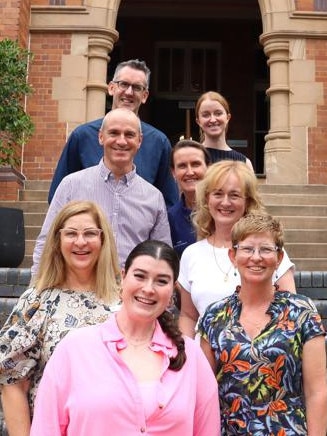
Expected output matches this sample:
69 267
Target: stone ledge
14 280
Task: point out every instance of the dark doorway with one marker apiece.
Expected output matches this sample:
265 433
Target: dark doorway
194 47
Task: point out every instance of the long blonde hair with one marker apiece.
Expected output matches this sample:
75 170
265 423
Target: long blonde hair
215 176
52 270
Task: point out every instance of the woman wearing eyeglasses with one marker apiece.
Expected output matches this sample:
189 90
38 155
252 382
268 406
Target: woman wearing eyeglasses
77 285
227 192
265 346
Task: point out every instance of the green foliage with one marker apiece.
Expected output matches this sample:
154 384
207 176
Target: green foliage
16 126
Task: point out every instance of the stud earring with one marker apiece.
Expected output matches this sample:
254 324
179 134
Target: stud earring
276 275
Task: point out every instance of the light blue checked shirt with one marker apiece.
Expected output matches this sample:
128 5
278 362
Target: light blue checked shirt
135 209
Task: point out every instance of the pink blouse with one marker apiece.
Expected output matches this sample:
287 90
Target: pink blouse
87 389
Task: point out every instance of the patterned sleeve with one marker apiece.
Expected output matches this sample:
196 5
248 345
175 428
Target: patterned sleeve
19 344
205 324
312 324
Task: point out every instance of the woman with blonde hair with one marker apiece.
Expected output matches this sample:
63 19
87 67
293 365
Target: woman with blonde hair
227 192
77 284
213 114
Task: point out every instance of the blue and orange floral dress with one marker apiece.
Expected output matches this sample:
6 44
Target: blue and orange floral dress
260 379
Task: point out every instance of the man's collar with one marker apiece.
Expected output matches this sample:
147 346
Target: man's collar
107 174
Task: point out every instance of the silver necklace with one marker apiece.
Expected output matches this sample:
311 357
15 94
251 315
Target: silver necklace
224 273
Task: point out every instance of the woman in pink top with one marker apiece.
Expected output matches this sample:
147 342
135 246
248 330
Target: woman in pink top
135 373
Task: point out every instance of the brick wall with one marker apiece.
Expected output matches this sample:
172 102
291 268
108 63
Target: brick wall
14 20
304 5
317 165
42 151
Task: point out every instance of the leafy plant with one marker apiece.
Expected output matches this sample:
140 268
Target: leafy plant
16 126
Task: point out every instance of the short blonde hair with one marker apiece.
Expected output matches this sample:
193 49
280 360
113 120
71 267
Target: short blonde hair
52 270
258 223
215 176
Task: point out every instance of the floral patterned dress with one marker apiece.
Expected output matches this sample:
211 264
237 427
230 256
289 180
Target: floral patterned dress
36 325
260 380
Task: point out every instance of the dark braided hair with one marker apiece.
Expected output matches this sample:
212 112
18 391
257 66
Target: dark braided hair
162 251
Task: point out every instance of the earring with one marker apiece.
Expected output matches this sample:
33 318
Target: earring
120 294
276 275
235 271
171 303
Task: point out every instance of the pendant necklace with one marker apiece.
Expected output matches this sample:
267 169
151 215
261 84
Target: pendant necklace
225 273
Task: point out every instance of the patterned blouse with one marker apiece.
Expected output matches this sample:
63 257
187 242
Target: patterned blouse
260 380
36 325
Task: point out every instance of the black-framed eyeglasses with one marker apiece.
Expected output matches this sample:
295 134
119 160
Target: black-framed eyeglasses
125 85
248 251
89 235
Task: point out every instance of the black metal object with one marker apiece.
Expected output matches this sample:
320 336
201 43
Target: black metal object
12 237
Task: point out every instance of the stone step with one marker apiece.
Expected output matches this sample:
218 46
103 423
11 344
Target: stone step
285 210
303 264
298 199
27 262
312 235
31 195
27 206
306 250
33 219
293 189
303 222
301 208
29 246
36 185
32 232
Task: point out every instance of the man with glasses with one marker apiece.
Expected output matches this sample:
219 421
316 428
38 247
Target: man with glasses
129 89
